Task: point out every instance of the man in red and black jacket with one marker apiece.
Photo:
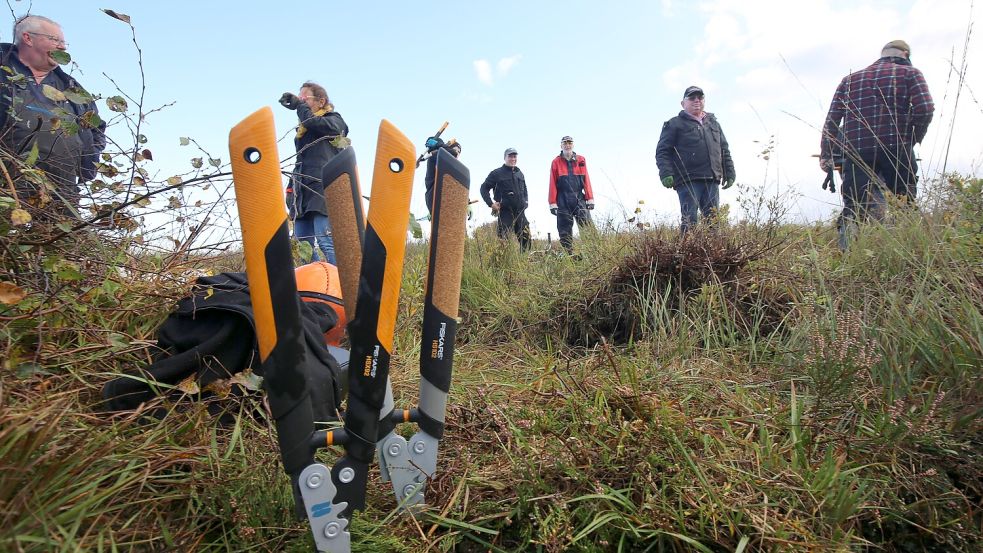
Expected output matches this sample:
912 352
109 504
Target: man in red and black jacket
571 196
876 117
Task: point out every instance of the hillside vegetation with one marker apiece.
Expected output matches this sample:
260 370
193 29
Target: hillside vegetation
750 389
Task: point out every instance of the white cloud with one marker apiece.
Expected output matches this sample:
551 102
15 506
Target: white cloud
483 70
506 64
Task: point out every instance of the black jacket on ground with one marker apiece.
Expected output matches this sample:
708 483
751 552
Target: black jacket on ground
509 187
314 150
693 152
211 335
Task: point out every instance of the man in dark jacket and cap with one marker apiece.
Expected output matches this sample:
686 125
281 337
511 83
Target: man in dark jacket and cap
62 133
876 117
694 159
510 199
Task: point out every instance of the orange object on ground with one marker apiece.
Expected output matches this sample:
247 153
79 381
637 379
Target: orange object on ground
318 282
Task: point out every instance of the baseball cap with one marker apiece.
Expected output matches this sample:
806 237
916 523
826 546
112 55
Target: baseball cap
896 48
567 138
510 151
693 90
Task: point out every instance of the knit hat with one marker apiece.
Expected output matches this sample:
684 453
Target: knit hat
896 49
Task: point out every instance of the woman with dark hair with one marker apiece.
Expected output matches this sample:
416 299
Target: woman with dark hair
321 133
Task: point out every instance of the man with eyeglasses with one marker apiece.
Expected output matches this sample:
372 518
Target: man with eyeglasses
570 195
694 159
63 135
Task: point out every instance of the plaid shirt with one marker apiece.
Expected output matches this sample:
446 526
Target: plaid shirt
886 105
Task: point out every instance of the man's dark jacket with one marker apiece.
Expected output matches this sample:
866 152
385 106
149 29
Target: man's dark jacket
693 152
314 150
27 115
509 187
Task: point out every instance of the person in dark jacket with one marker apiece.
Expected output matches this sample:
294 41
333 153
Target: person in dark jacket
454 147
65 136
876 117
321 133
694 159
571 196
509 199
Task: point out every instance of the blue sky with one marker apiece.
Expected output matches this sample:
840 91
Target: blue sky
523 74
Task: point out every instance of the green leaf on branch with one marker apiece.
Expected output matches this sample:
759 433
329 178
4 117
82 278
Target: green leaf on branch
67 270
78 96
52 93
90 120
143 202
116 103
174 180
415 229
185 141
197 162
215 161
61 57
32 156
248 380
107 169
141 139
341 142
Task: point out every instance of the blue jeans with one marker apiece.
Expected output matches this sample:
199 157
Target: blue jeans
312 228
702 196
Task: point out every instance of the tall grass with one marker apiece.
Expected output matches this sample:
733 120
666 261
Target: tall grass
749 389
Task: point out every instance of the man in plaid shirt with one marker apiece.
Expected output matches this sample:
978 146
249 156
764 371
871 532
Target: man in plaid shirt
877 116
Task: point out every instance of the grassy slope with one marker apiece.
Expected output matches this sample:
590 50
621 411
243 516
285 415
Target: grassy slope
751 390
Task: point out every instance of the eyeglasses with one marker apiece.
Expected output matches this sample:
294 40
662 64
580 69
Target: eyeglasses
52 38
694 97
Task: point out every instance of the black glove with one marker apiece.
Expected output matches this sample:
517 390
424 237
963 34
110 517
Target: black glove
829 183
290 100
553 210
433 143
